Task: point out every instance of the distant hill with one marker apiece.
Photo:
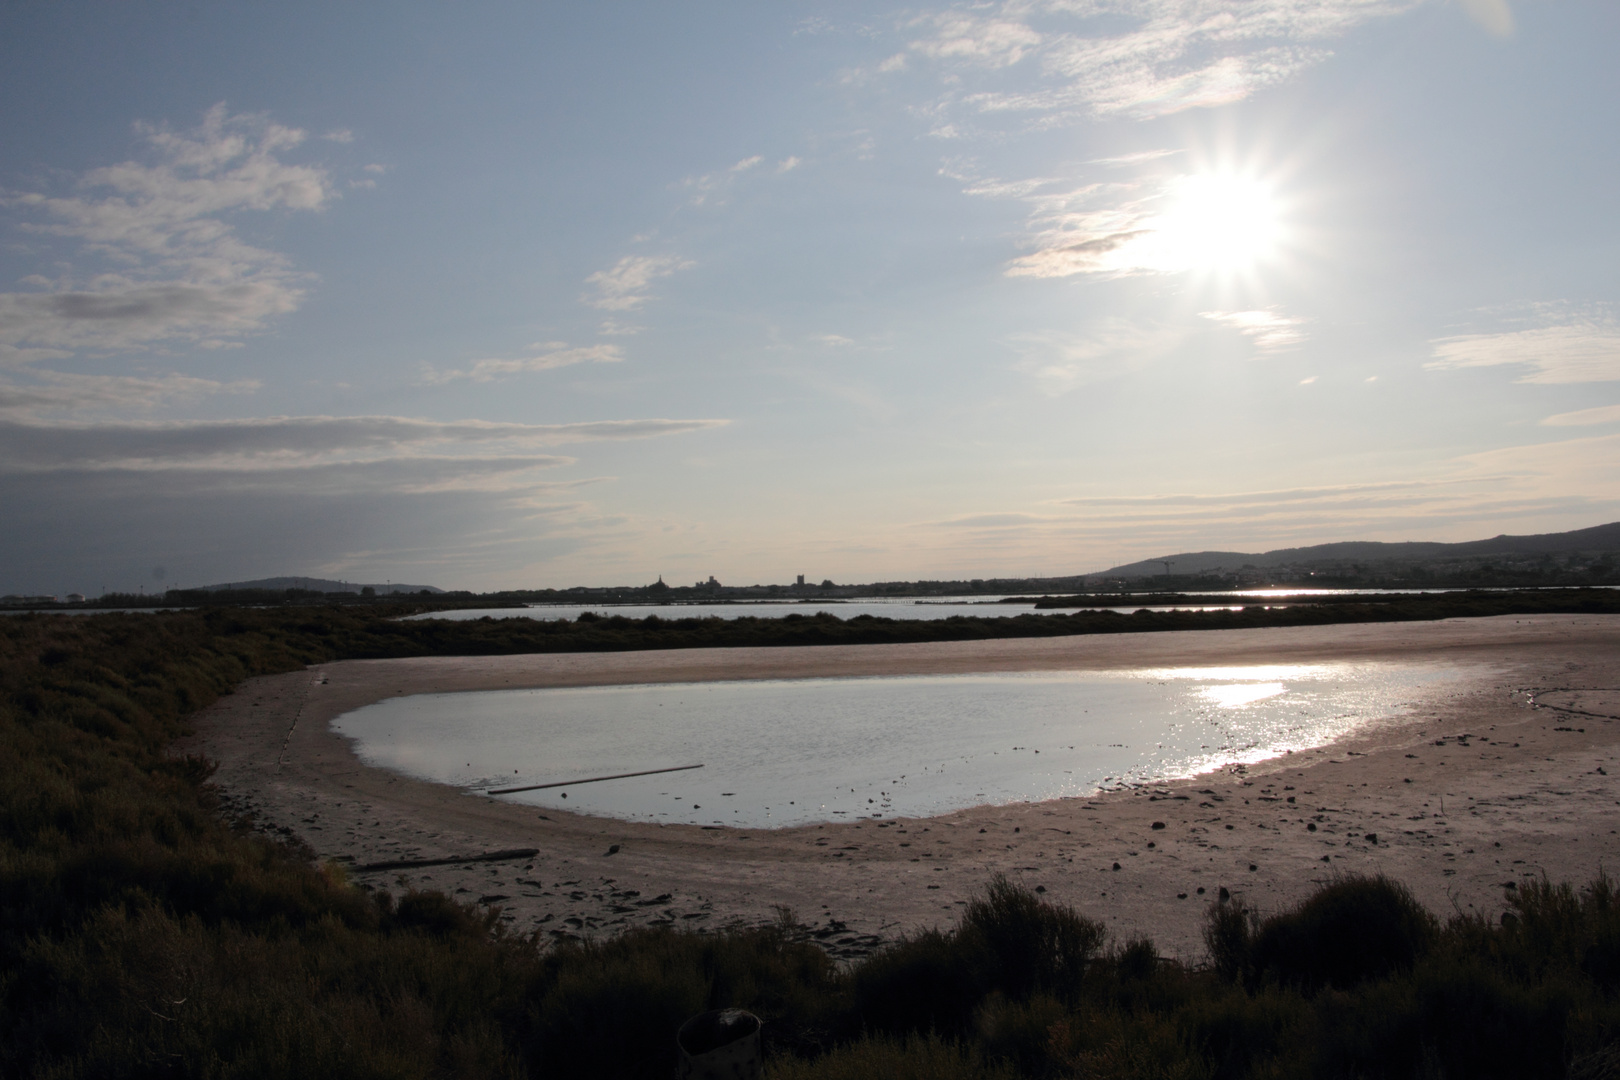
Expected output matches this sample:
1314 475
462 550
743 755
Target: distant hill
1597 538
315 584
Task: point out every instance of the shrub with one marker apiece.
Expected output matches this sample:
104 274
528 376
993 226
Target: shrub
1229 929
926 982
1351 930
1009 941
1036 945
917 1057
610 1009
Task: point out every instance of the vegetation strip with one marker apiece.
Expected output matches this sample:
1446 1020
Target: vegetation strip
590 780
144 932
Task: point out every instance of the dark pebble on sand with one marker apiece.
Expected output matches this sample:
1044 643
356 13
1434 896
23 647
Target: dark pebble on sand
1158 824
1116 866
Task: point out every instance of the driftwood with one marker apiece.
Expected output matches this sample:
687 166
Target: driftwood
411 864
589 780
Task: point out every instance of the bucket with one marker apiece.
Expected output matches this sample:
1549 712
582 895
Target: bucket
721 1044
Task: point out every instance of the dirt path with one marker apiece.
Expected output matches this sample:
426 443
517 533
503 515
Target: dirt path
1473 789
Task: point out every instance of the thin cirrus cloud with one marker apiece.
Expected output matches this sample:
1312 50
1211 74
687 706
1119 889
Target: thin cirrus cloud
1270 330
1494 15
1108 228
169 267
1086 228
1603 414
1164 220
993 41
1582 350
281 443
625 285
1060 362
712 187
1264 502
56 392
1475 489
548 359
1172 56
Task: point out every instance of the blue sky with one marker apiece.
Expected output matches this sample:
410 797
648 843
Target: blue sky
520 295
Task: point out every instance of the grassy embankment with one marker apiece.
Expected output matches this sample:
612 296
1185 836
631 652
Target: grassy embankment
142 935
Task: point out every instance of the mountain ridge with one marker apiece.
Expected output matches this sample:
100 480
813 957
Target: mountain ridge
1596 538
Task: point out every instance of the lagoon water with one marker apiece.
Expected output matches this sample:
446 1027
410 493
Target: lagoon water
793 752
887 607
884 608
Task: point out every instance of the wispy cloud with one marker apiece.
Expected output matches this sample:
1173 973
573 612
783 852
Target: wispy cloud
1164 220
1603 414
1494 15
1271 330
1579 350
1167 55
712 187
1469 495
624 285
1060 362
1107 228
278 443
490 370
174 268
53 392
994 521
993 41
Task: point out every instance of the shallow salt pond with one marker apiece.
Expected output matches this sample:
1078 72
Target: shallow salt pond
792 752
878 607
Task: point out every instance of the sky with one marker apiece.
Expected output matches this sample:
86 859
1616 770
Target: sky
524 295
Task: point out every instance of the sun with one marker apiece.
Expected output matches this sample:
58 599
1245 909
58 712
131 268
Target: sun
1217 223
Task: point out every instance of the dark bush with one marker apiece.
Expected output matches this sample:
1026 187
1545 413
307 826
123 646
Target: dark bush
611 1009
1354 929
435 913
1009 941
1229 929
926 982
1036 945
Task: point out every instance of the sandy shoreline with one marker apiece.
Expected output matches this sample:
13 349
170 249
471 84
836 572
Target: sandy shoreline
1530 791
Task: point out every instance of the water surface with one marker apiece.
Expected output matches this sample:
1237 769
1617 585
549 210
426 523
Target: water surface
788 752
909 607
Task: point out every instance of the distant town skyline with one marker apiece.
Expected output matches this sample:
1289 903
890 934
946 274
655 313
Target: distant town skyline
532 295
